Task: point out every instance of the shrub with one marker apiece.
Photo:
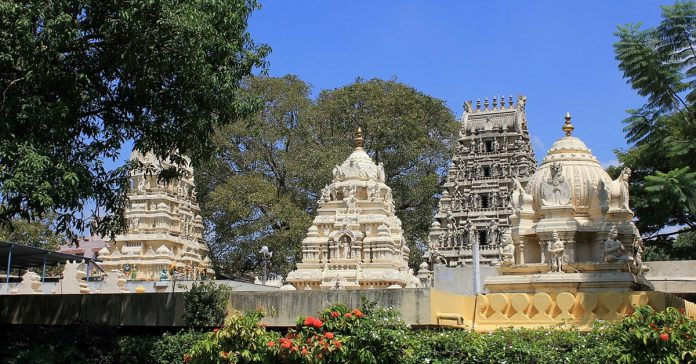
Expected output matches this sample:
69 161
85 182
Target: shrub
657 336
205 305
377 335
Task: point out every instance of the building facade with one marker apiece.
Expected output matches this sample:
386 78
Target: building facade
493 154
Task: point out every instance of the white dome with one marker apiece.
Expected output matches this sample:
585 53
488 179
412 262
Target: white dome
359 165
579 168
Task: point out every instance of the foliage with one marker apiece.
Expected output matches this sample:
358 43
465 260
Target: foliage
660 63
657 337
265 180
79 78
39 233
170 348
341 335
205 305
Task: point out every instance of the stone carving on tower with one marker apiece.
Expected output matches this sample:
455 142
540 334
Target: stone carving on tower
355 240
571 227
493 155
165 228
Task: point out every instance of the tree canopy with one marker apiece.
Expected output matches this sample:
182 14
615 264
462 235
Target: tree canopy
79 78
660 64
263 184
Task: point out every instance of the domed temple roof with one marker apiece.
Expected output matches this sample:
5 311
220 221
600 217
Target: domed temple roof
569 161
359 165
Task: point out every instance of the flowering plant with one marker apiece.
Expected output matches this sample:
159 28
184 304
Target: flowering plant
657 336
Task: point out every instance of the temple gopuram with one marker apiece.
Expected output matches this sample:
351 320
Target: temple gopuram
493 155
165 229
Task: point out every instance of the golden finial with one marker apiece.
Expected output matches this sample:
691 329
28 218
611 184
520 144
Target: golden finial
510 102
485 104
495 102
478 104
568 127
359 140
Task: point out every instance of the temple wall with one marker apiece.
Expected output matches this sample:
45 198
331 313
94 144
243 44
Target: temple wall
421 306
460 280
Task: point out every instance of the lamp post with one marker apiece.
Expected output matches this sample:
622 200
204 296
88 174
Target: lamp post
266 255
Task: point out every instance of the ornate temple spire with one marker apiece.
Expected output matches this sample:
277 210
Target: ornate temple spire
359 140
568 127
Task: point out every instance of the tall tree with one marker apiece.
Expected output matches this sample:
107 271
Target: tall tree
78 78
660 63
265 182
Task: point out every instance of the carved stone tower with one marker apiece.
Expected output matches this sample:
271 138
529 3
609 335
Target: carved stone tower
355 240
493 154
164 228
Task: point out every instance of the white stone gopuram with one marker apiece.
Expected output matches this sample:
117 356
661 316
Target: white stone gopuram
165 228
571 228
355 240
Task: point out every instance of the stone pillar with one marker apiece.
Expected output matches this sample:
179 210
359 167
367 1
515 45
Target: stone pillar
520 251
570 249
542 250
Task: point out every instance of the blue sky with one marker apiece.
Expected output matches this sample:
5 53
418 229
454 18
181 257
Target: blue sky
558 53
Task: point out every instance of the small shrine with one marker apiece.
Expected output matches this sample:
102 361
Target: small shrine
571 228
165 229
355 240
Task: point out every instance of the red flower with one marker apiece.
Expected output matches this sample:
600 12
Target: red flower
335 314
329 335
348 315
285 343
304 351
271 344
216 330
225 354
309 340
664 336
308 321
318 323
358 313
681 310
294 348
337 344
187 358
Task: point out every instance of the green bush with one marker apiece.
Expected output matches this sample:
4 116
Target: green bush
377 335
205 305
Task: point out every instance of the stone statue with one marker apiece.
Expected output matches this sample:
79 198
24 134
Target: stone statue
637 265
556 250
374 193
556 190
142 184
492 232
614 250
496 145
619 190
506 251
163 274
325 194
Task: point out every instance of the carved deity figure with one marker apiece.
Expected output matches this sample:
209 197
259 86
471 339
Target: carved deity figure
471 229
614 250
619 190
506 251
637 265
325 194
556 250
350 199
556 190
374 193
142 184
492 233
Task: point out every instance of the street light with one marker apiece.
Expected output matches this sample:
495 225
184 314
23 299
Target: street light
267 254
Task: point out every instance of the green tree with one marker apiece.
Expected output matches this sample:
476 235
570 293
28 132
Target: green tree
660 63
39 233
78 78
264 183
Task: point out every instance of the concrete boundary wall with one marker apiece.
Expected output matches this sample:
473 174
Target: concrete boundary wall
422 306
